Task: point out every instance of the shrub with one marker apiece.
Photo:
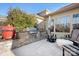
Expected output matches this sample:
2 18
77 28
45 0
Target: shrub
19 19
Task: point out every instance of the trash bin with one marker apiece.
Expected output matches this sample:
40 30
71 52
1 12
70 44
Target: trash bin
8 32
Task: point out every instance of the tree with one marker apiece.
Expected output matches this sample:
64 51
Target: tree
19 19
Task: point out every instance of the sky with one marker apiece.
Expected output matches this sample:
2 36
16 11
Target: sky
32 8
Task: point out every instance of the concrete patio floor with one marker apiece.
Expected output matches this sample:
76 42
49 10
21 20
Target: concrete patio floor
39 48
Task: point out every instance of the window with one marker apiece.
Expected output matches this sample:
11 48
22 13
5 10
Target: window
62 24
76 21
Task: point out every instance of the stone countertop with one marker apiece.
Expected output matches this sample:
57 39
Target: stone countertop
5 48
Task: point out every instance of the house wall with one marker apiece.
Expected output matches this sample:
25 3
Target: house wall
41 26
67 13
39 20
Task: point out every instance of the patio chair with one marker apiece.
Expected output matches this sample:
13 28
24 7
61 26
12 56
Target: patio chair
74 35
76 42
68 41
73 49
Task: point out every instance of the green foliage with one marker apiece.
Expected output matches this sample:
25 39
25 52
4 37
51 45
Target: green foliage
19 19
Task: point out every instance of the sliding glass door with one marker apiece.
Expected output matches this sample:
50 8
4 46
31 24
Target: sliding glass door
76 21
62 24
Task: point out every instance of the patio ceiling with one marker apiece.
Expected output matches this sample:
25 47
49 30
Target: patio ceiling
63 9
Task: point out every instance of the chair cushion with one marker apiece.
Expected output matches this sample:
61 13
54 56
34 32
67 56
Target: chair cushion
75 34
61 42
